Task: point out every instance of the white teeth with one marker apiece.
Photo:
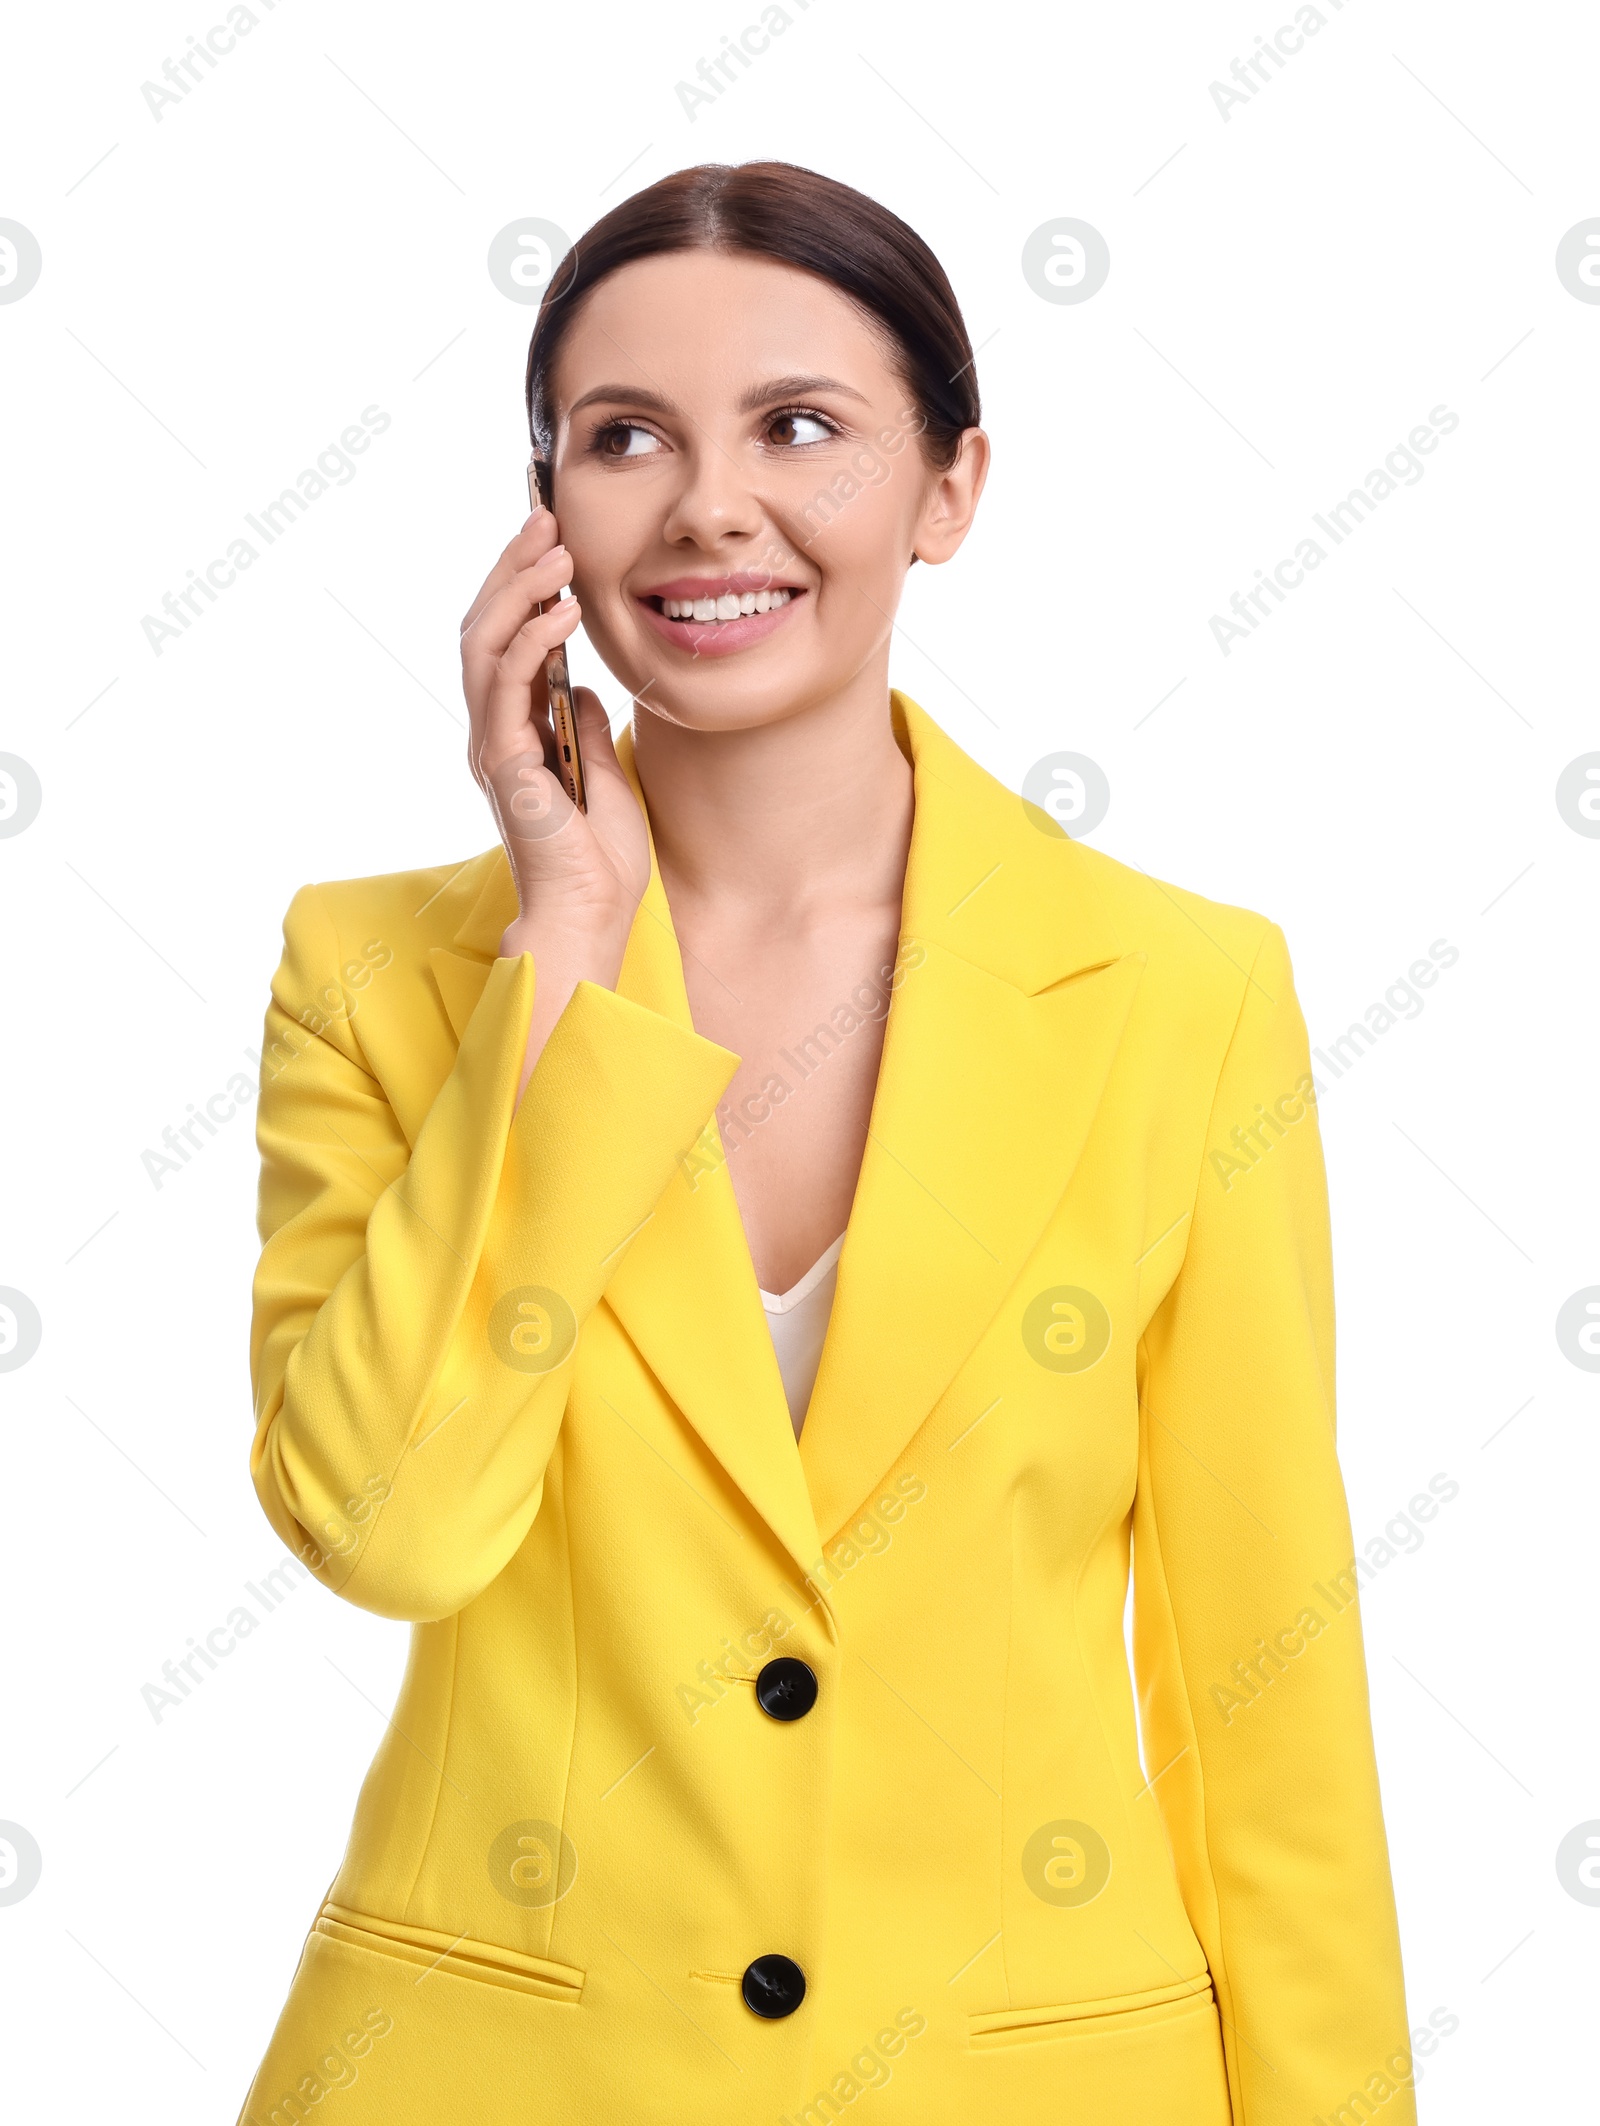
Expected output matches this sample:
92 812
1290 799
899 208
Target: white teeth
731 605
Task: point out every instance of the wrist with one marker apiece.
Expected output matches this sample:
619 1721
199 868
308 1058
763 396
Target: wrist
589 949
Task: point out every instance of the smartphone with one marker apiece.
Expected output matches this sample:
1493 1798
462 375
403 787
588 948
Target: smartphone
563 713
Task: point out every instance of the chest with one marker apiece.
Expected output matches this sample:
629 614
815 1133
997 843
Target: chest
806 1015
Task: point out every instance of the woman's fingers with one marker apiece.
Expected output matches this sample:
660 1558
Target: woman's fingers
621 837
537 536
570 869
502 652
504 611
516 709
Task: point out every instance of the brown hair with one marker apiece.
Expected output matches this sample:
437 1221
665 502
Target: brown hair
780 211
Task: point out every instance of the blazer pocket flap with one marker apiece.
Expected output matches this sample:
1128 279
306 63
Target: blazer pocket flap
1123 2011
456 1954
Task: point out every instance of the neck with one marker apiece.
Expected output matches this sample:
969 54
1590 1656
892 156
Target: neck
785 821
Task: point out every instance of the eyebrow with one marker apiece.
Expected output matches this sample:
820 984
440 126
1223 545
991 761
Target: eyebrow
799 385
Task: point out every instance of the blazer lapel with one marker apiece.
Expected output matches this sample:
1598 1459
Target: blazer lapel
684 1288
686 1291
977 1126
999 1044
461 968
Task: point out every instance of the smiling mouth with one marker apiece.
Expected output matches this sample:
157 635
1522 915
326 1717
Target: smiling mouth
719 615
727 605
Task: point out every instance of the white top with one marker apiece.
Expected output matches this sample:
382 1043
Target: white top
798 1322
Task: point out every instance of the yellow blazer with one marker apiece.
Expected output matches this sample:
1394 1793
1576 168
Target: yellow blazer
514 1385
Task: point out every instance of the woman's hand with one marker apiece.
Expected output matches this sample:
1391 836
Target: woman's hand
579 876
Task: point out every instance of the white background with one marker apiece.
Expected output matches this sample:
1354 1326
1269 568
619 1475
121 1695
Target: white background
1293 288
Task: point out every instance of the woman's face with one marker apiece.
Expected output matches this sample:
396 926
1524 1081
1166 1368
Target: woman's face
732 430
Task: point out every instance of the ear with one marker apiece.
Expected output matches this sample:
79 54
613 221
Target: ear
952 500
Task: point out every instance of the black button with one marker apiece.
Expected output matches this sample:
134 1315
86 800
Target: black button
786 1689
773 1987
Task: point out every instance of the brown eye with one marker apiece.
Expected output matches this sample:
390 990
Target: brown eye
787 429
624 440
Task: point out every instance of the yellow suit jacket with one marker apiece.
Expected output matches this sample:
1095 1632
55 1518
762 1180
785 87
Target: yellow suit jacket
514 1385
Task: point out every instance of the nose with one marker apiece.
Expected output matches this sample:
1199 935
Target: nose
715 504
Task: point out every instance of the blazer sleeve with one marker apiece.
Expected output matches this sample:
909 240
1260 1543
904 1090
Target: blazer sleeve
417 1306
1247 1634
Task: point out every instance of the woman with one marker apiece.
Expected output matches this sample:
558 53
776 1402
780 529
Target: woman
768 1739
